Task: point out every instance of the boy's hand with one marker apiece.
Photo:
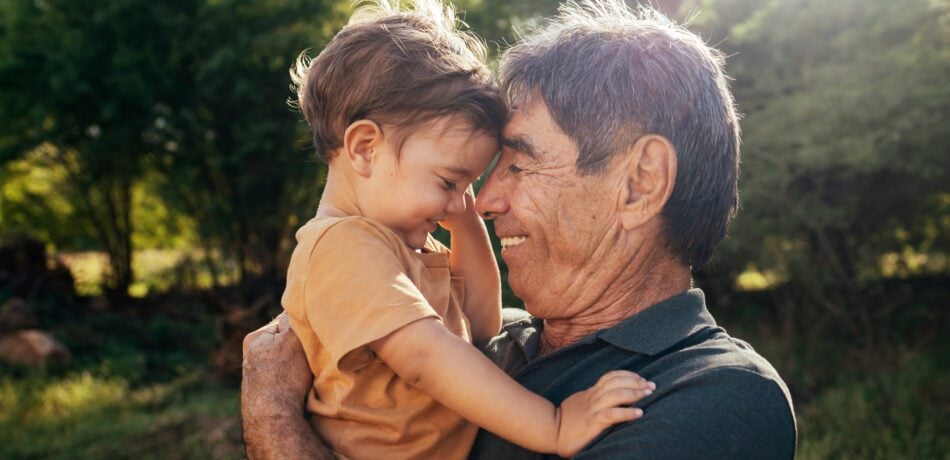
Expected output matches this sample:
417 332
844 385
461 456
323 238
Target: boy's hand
457 220
585 414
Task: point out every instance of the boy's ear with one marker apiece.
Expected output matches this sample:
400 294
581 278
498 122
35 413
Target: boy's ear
649 174
360 142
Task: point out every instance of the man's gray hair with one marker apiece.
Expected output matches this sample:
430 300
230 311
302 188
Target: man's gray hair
609 75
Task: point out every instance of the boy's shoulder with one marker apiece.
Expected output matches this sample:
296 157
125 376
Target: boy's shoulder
356 230
344 231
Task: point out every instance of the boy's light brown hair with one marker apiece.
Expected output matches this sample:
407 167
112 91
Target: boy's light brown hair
399 65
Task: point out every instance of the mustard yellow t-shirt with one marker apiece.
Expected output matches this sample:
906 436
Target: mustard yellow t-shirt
352 281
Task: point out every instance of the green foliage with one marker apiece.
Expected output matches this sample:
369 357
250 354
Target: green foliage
83 83
235 158
898 413
157 225
84 416
184 100
129 125
844 145
34 201
137 386
498 21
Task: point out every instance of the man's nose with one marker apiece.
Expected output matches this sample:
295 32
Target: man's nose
491 201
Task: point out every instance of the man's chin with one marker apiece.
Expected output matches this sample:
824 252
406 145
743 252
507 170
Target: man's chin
516 284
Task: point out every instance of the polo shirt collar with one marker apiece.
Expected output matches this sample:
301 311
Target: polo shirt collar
524 332
662 325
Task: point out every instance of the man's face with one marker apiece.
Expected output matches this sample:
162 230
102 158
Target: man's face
554 224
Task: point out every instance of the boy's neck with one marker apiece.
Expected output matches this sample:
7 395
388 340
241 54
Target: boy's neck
339 198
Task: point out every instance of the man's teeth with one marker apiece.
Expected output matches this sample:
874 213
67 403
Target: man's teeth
510 241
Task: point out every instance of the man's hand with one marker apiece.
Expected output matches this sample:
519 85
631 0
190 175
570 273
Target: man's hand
275 381
584 415
275 371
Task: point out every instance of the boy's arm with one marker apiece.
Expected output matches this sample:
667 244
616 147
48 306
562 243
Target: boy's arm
472 258
450 370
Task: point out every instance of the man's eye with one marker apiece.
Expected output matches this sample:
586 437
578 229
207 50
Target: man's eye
514 169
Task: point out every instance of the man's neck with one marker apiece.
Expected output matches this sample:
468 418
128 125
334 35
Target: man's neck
641 286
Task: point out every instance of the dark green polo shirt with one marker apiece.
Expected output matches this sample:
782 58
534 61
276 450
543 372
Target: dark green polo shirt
715 396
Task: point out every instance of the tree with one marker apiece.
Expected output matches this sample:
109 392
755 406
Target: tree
845 141
237 157
195 90
82 83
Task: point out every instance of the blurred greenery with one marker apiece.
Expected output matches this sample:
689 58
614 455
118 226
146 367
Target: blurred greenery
887 408
83 416
149 146
845 147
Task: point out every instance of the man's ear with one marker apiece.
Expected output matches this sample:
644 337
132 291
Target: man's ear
649 177
360 142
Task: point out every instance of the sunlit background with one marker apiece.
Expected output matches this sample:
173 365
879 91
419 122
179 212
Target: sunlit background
152 176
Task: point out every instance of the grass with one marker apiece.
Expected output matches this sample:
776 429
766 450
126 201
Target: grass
903 412
80 415
138 386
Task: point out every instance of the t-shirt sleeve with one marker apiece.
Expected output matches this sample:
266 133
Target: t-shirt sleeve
435 245
357 291
727 414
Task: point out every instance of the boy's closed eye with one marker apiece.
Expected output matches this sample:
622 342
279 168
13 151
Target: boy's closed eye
448 184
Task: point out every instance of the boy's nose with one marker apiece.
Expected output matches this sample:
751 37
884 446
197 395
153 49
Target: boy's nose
457 204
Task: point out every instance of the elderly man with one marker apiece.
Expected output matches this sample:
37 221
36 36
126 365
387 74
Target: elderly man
617 175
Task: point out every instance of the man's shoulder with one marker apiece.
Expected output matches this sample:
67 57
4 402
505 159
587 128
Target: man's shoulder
714 362
723 368
728 412
714 349
715 395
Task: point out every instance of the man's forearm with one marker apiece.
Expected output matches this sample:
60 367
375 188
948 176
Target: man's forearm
275 426
274 386
280 437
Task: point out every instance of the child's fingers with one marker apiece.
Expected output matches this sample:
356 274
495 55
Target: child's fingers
617 381
619 374
619 397
614 415
623 378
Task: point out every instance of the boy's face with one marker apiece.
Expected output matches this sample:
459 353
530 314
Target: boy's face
425 181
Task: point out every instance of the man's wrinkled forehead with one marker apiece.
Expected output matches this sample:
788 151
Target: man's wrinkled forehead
523 145
524 128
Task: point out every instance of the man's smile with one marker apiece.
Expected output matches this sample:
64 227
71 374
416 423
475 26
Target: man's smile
510 241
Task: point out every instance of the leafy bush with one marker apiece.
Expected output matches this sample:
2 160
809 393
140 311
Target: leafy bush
896 413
